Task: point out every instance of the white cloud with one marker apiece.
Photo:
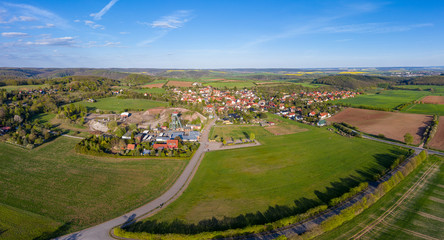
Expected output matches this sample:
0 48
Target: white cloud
92 44
173 21
62 41
372 28
98 16
14 34
27 13
93 25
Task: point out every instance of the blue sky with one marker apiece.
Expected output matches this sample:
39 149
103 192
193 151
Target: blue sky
221 33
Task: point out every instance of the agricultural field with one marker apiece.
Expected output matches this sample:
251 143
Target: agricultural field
438 140
19 224
392 125
433 99
436 89
230 84
387 99
119 105
172 83
429 109
278 172
227 132
419 216
151 90
24 87
55 186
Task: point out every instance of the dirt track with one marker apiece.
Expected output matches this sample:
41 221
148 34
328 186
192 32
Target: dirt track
433 99
392 125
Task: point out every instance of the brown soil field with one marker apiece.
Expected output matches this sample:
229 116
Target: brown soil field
155 85
392 125
438 140
284 130
179 84
433 99
224 80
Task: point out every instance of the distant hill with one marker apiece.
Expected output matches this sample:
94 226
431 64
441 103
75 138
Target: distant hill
354 81
38 73
362 81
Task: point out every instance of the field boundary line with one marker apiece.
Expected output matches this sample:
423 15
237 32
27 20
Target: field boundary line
397 203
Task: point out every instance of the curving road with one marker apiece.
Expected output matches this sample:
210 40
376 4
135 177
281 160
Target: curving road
102 231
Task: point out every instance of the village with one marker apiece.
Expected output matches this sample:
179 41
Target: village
230 104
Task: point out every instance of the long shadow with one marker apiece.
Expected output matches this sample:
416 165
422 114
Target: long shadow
3 231
64 229
273 213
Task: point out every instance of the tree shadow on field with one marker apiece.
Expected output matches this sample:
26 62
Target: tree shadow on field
2 231
272 213
246 135
64 229
421 130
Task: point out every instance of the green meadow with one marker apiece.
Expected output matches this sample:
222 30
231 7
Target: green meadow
388 99
237 132
52 185
24 87
311 166
429 109
119 105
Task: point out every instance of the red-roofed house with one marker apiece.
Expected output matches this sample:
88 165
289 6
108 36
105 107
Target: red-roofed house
131 146
324 115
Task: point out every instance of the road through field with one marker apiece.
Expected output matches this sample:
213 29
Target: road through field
103 230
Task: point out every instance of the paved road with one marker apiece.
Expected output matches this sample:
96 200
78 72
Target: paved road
102 230
403 145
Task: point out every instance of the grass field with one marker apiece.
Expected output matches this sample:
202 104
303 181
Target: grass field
151 90
55 182
24 87
315 164
119 105
420 216
237 132
429 109
385 99
236 83
436 89
19 224
44 117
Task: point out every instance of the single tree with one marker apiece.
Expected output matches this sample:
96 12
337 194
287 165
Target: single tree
408 138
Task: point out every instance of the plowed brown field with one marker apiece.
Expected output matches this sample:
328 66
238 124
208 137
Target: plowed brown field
438 140
433 99
392 125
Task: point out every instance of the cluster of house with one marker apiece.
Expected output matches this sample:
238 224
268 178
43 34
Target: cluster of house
162 139
248 100
38 91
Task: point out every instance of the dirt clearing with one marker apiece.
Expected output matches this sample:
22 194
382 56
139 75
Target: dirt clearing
392 125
